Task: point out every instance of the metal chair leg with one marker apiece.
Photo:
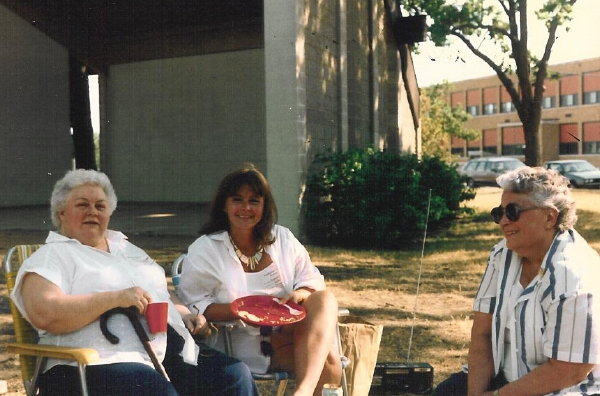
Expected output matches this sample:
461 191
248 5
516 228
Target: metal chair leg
279 387
344 360
84 389
31 388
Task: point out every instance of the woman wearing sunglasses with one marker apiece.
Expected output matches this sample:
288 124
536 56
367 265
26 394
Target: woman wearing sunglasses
536 325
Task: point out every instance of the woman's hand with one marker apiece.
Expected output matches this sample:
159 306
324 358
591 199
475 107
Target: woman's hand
134 296
197 324
298 296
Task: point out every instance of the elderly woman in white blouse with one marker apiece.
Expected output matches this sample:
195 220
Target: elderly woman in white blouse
243 252
536 326
84 270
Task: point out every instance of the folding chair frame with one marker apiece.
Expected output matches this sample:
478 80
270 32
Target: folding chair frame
33 356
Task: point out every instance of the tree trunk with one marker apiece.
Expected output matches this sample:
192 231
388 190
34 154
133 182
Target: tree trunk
531 125
83 134
532 143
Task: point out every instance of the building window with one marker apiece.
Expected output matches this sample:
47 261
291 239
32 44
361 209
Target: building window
473 110
591 138
489 108
507 107
568 100
568 139
458 151
568 148
591 97
513 149
513 140
549 102
591 147
490 149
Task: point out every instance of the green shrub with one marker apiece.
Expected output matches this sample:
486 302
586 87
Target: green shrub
370 198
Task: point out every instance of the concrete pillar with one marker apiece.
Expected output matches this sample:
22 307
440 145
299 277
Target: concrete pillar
375 96
343 74
285 105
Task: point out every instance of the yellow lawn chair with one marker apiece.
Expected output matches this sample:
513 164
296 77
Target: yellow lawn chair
280 378
33 356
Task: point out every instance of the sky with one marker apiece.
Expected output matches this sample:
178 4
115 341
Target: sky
435 64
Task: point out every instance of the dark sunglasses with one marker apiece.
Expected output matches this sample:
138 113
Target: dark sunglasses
265 346
512 212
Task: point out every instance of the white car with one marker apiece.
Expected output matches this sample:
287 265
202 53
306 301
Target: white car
480 171
579 172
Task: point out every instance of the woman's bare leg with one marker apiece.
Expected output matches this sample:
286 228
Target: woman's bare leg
315 361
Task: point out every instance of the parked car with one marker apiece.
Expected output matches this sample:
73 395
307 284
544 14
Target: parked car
480 171
580 172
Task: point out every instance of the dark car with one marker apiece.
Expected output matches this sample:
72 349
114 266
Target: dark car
480 171
580 172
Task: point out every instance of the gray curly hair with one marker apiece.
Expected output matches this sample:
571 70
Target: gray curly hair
74 179
546 188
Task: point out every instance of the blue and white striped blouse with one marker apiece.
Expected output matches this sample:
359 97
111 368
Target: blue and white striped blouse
555 315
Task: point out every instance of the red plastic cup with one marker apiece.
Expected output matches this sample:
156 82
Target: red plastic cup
156 315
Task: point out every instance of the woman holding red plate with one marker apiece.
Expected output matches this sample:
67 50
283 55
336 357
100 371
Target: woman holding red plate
242 252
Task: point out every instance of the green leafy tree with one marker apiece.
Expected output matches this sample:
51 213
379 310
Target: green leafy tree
505 24
439 121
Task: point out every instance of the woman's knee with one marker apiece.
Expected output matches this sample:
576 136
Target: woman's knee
238 371
323 299
238 380
333 363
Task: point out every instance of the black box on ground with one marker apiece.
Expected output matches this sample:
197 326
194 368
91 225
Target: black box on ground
392 378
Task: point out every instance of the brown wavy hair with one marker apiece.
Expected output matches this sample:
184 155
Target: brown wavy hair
229 186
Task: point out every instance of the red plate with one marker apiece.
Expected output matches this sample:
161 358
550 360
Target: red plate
265 311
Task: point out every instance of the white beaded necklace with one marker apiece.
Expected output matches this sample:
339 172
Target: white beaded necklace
251 261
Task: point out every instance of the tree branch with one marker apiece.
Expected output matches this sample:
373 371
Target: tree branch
506 81
521 55
503 6
543 63
495 29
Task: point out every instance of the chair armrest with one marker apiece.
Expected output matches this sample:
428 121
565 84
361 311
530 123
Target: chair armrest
343 312
80 355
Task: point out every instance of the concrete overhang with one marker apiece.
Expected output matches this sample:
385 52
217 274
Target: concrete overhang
101 33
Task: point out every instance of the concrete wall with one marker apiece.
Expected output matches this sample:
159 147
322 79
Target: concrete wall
173 128
322 62
360 74
355 93
394 127
285 105
333 81
549 135
35 143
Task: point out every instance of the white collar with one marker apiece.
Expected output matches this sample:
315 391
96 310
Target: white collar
219 236
112 236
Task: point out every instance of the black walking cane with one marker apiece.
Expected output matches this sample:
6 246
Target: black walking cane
132 314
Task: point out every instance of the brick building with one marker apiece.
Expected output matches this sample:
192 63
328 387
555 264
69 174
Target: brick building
570 126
